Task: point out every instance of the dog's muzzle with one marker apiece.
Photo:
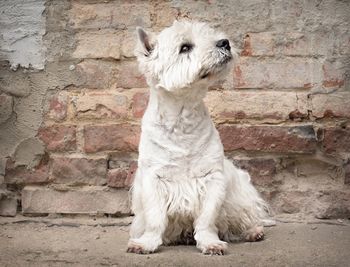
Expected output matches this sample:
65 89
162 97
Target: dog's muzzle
224 56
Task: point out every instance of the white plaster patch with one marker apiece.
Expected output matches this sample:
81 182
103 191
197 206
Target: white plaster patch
22 26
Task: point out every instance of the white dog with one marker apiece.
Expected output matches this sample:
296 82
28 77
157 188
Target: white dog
185 189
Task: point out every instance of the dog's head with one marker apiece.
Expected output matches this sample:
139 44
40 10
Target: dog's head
185 54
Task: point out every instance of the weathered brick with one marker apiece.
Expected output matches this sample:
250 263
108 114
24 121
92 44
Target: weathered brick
86 200
291 201
287 43
122 177
336 139
276 73
299 44
257 44
97 73
116 15
57 106
336 104
98 44
23 175
130 76
347 173
116 178
79 171
101 104
261 170
284 139
310 167
333 74
8 205
105 74
59 137
121 160
235 105
124 137
6 104
128 44
343 44
139 103
333 204
165 14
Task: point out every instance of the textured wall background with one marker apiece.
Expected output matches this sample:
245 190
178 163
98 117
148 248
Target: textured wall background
72 99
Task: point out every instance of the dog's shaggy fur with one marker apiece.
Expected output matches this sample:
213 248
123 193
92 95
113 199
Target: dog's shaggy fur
185 190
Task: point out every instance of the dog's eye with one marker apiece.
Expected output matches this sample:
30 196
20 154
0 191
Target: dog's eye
185 48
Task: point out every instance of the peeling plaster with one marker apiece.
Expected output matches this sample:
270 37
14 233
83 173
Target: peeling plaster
22 26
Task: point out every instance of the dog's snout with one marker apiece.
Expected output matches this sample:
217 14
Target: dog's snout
223 43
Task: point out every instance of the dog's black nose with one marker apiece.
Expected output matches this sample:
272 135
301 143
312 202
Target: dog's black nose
224 43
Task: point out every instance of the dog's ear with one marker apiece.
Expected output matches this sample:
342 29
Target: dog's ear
145 42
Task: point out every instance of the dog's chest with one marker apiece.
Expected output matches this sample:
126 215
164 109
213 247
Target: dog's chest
182 152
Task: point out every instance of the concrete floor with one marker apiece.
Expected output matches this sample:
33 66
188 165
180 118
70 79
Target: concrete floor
102 242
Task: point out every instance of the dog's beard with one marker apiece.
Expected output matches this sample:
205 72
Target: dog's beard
218 67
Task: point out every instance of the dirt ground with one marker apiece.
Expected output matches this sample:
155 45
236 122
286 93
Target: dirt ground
26 241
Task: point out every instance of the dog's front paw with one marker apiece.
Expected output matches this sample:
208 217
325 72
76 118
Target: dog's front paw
137 248
216 248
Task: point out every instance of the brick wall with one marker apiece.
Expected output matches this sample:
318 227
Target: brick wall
283 113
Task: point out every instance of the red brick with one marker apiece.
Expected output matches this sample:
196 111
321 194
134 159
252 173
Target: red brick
333 74
284 139
139 103
336 139
261 170
79 171
274 73
123 137
110 15
58 137
101 104
122 177
241 105
85 200
24 175
116 178
336 104
98 44
57 106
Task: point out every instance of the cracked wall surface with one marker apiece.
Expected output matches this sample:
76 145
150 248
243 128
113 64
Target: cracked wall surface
72 98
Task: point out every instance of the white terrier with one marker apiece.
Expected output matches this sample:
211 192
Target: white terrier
185 189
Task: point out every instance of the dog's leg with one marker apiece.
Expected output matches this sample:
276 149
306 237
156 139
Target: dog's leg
138 224
206 233
153 217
